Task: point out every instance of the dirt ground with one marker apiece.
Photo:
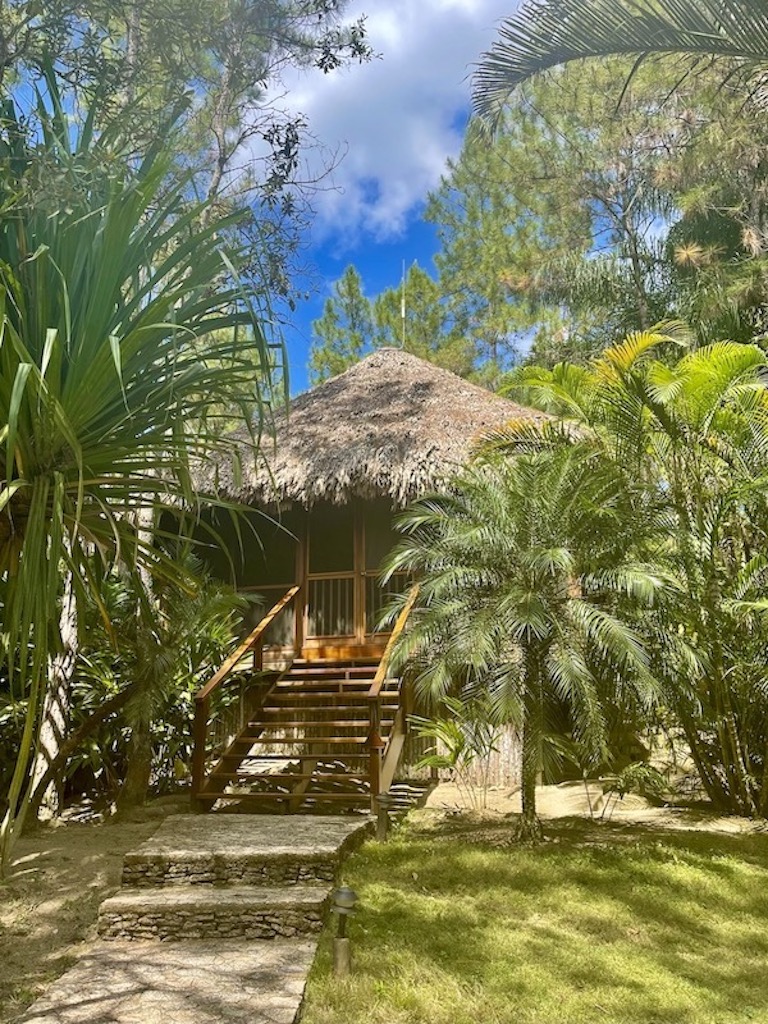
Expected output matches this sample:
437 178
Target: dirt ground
63 871
575 799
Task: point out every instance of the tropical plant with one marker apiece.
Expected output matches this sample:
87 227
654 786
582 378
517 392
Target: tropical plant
693 432
545 33
638 777
524 571
121 320
160 647
464 737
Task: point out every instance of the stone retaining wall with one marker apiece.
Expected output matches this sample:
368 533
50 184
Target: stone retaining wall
182 924
215 870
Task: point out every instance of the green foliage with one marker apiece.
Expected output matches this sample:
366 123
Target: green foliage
545 33
353 325
464 737
590 213
692 431
122 325
244 148
343 333
639 777
169 645
525 570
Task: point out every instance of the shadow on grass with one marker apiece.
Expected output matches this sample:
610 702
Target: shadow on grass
618 922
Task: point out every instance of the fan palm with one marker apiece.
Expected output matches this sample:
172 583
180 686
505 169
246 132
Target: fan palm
694 433
122 323
546 33
520 568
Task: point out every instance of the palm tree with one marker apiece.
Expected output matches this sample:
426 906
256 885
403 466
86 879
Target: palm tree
122 324
520 567
545 33
693 432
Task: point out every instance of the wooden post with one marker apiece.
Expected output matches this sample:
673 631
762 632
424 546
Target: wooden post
358 557
300 601
382 819
375 746
199 736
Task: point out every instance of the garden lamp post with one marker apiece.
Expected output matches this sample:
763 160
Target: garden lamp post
344 900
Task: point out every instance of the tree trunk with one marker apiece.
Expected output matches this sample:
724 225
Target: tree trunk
139 771
55 720
73 741
529 829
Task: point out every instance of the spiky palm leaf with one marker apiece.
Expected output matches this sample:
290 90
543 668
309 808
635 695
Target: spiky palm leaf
122 323
546 33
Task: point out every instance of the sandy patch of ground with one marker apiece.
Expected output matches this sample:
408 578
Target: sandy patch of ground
61 873
574 799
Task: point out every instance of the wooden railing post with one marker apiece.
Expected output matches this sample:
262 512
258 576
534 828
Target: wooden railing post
199 736
298 623
375 749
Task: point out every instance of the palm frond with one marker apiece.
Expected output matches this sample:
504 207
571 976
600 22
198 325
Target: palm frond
546 33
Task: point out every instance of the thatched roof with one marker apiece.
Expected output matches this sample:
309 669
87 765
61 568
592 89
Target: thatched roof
391 426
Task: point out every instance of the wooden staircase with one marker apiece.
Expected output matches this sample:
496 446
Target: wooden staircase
324 735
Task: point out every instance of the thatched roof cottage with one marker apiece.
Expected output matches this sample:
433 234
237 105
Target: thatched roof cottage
350 452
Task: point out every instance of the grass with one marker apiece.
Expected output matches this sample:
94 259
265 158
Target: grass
614 923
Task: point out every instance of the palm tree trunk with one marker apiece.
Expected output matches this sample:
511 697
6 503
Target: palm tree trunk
74 739
139 771
529 828
55 720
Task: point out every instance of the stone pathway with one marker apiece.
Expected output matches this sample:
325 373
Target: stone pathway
216 887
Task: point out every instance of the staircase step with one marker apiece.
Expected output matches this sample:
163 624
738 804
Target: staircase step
292 776
279 757
326 686
314 796
304 740
312 671
264 849
350 700
358 754
337 663
177 912
350 714
326 723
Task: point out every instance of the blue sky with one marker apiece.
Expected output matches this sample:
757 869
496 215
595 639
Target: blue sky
394 122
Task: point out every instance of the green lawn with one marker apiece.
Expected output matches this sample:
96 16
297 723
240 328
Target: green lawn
615 923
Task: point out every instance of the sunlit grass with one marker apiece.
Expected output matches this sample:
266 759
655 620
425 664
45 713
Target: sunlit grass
623 924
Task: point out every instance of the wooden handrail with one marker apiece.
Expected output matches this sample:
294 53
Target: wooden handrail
247 645
381 674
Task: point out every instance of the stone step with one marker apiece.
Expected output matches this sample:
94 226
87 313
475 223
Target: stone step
242 849
226 912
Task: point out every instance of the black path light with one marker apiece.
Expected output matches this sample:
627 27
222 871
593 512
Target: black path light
344 901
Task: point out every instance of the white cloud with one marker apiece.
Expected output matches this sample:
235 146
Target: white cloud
396 117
